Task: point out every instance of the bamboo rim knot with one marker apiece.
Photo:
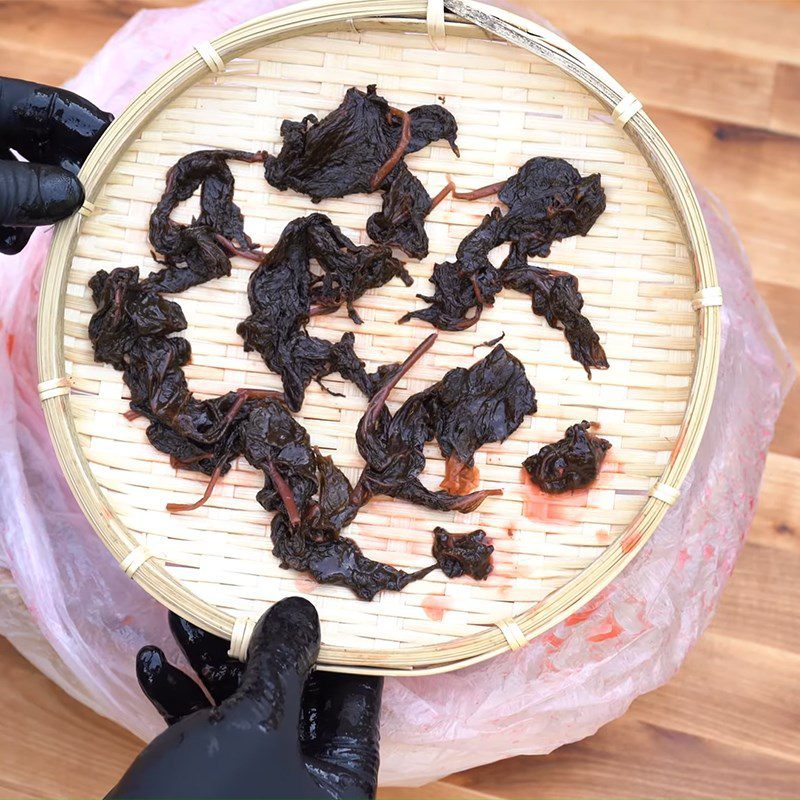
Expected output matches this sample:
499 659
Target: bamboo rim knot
623 111
513 633
665 493
435 20
212 58
709 296
240 637
135 559
87 209
55 387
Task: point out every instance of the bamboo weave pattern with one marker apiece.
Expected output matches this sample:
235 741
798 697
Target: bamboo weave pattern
635 274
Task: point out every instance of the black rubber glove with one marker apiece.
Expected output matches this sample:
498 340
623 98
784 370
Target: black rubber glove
55 130
277 729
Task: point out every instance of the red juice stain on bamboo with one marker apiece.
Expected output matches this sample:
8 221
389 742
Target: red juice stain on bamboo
10 339
435 606
539 505
630 540
609 628
603 537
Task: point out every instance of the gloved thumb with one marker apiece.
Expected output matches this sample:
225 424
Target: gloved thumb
36 194
283 649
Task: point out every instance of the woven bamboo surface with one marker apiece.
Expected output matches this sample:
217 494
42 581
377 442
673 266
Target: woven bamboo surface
635 272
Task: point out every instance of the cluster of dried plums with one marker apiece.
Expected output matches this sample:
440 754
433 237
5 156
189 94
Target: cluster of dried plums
359 147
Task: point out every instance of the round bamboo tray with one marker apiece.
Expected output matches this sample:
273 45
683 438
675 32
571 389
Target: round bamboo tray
646 272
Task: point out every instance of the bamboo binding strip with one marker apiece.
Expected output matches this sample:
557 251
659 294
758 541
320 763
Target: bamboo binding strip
646 272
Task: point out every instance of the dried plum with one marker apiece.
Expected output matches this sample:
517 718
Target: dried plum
571 463
198 252
465 410
555 296
464 554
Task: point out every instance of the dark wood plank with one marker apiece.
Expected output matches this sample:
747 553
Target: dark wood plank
762 598
723 86
786 98
753 173
734 692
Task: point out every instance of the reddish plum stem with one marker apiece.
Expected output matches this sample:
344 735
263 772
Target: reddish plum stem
178 507
477 194
318 311
243 395
285 493
449 187
469 502
232 249
476 288
468 323
378 401
402 144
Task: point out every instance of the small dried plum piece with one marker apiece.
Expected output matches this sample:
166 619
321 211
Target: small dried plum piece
548 200
465 410
570 463
359 147
281 292
464 554
401 221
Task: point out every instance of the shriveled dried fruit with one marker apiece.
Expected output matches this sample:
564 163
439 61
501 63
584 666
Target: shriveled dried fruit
463 554
198 252
555 296
570 463
465 410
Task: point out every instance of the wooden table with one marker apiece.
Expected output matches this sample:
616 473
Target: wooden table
722 80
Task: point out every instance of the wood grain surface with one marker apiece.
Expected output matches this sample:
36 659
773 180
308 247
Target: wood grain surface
722 80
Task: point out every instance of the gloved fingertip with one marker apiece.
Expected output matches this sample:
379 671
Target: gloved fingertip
173 693
298 607
181 628
62 192
287 636
12 240
150 663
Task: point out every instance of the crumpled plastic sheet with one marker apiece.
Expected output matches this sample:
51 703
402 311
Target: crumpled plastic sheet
68 607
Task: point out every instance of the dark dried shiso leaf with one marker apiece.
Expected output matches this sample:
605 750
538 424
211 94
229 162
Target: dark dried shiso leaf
547 201
359 147
283 288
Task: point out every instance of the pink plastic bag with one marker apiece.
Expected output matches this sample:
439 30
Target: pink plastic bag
66 605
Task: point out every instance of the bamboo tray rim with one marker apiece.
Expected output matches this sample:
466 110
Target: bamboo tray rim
414 16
